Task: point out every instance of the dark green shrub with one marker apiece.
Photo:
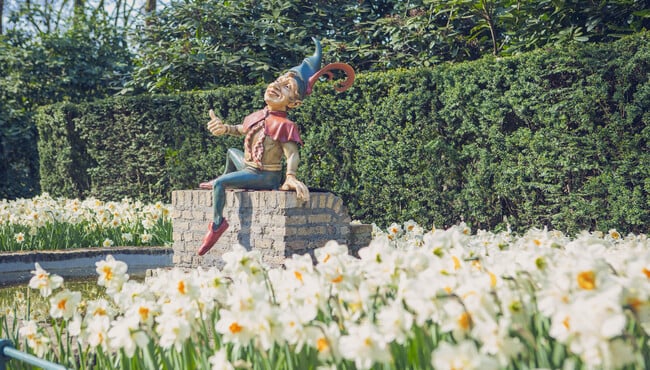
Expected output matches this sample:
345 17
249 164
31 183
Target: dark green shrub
18 154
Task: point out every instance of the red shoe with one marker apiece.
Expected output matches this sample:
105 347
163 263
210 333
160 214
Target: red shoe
212 236
206 185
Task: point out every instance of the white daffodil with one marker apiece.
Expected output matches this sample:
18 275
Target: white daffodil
146 237
394 231
463 355
414 263
325 339
355 301
236 327
37 341
379 264
173 327
219 361
412 227
330 252
64 304
125 334
266 325
43 281
395 322
116 222
180 284
74 325
144 311
293 331
112 274
133 292
496 340
457 319
336 268
96 332
245 296
308 299
424 294
297 268
100 307
243 263
19 237
365 345
618 354
213 289
127 237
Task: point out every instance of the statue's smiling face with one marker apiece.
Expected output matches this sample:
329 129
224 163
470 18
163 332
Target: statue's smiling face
282 94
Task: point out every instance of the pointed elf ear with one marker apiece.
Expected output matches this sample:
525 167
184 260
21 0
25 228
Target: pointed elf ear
294 104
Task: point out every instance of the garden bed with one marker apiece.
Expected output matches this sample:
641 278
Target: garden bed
412 299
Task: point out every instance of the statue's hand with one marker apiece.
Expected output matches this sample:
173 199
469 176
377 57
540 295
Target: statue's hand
216 126
292 183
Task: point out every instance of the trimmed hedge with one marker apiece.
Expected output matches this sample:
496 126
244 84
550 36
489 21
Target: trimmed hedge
18 154
140 147
556 138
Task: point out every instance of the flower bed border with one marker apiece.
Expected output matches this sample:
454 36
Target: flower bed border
16 267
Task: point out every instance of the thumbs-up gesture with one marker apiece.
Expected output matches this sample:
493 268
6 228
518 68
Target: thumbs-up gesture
216 126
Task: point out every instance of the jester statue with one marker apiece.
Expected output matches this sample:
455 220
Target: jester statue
268 137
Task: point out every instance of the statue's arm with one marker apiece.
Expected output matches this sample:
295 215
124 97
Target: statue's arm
290 149
292 155
218 128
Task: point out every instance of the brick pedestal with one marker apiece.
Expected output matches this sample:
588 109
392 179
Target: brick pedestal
273 222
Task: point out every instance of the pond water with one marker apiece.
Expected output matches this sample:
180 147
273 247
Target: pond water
19 303
87 286
17 291
21 296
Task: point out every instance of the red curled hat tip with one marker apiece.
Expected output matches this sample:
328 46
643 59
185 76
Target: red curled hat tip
327 72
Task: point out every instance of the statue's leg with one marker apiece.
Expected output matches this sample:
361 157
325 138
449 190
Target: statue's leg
234 161
247 178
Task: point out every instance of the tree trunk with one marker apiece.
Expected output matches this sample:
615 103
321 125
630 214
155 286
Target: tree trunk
150 9
78 11
118 4
2 8
150 6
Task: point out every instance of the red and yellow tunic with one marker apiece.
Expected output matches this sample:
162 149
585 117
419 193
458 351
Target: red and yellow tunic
265 132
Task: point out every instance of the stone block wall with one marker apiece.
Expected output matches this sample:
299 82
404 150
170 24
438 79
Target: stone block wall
274 222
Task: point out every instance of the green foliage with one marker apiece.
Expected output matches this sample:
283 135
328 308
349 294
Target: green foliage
18 157
60 51
555 138
84 62
201 44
